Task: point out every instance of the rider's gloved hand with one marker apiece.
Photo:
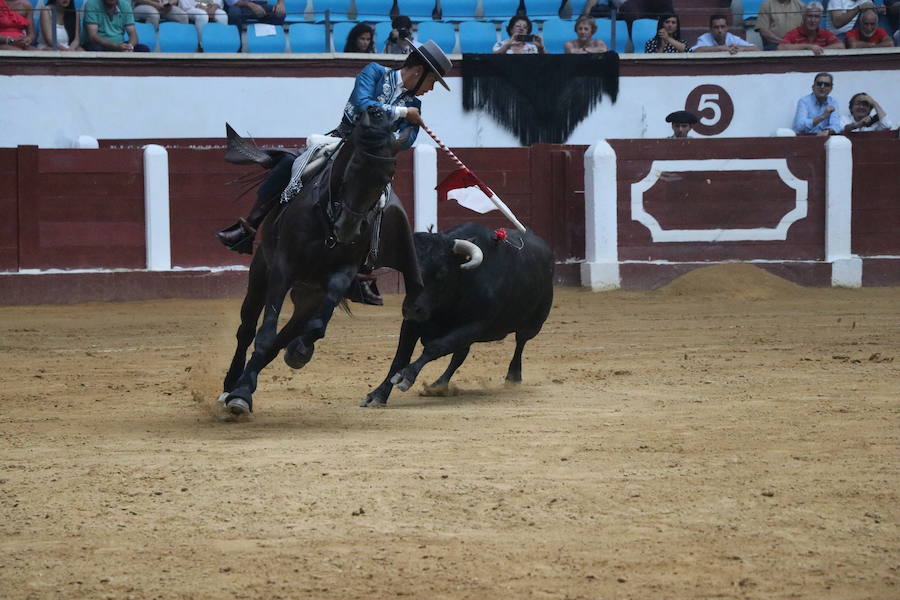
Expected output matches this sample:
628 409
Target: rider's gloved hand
413 115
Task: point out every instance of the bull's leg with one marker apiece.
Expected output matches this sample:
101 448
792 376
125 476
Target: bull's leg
456 362
409 336
455 341
250 310
514 373
301 349
240 399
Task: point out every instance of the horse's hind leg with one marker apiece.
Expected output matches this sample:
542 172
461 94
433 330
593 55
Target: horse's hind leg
301 349
304 306
250 310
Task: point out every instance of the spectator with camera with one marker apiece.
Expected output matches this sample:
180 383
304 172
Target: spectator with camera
861 117
400 36
584 43
521 40
668 38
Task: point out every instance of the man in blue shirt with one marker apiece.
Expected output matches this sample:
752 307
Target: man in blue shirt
817 113
396 91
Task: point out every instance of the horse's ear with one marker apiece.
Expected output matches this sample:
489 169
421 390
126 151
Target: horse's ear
364 119
402 141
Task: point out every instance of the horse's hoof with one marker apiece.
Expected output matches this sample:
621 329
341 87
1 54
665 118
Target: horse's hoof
402 382
297 354
238 407
223 397
373 401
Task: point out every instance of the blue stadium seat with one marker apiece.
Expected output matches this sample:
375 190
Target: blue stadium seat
339 32
338 10
604 32
177 37
294 11
642 31
382 32
269 44
307 37
373 10
443 34
477 37
456 11
541 10
215 37
146 35
751 9
498 11
417 10
555 33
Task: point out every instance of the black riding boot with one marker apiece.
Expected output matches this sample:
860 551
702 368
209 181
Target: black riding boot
239 237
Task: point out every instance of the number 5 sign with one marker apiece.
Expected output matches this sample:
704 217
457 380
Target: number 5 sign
713 106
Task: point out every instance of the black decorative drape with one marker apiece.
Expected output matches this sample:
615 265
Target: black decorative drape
539 97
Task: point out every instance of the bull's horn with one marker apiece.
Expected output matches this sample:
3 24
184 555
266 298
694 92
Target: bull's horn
467 248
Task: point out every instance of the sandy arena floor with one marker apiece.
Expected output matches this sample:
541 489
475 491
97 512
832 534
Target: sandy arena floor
729 436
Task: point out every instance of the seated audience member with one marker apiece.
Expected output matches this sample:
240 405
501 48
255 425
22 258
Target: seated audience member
776 18
867 33
600 9
520 40
401 29
585 27
201 11
682 123
809 36
106 22
16 25
151 11
861 117
817 112
845 13
668 37
361 39
645 9
242 11
719 39
68 36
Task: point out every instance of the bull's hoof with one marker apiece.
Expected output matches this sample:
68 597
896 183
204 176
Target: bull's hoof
238 407
373 401
297 354
402 381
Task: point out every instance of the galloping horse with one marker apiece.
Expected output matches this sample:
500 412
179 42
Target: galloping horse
313 247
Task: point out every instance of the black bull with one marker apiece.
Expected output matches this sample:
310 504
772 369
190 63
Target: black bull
510 291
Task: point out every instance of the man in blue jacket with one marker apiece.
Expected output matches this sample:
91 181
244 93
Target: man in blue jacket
396 91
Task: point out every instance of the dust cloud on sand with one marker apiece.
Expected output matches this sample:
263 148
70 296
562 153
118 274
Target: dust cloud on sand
728 436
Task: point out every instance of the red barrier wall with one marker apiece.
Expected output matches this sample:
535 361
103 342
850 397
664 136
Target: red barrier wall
876 194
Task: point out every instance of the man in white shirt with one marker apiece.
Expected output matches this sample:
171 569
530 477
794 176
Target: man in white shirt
844 14
719 39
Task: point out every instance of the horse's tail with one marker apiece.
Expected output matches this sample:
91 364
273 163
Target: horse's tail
240 151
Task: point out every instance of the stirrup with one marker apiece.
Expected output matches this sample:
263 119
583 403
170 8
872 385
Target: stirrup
238 237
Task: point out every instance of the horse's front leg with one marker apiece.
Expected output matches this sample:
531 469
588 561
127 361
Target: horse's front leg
265 348
250 311
300 351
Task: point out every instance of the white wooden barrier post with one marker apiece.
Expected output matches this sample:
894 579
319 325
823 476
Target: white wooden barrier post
424 184
600 270
846 269
156 208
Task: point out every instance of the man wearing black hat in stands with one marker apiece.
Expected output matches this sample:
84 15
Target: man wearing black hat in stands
681 121
396 91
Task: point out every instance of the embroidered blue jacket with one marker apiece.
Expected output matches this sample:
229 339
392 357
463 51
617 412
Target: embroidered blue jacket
377 85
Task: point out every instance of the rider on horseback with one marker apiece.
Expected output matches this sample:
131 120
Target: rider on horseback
394 90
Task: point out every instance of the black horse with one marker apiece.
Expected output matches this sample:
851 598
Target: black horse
313 248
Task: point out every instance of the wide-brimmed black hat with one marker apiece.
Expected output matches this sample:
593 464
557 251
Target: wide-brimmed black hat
682 116
435 58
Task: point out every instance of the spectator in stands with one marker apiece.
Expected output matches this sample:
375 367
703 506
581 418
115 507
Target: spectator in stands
401 29
16 25
600 9
520 40
361 39
867 33
845 13
645 9
65 24
106 22
776 18
151 11
861 117
719 39
809 36
668 38
584 43
817 112
682 123
241 11
892 7
201 11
